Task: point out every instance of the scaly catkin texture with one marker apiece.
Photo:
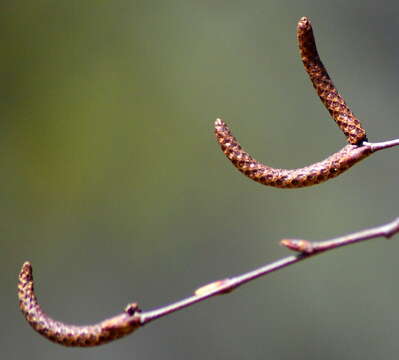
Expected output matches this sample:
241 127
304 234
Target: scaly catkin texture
72 335
324 86
319 172
313 174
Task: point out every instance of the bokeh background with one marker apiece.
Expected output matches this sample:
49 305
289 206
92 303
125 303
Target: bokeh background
113 186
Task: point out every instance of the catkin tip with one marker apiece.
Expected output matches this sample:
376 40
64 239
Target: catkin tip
26 268
218 122
303 22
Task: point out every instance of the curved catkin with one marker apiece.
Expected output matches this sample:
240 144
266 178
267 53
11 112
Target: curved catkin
72 335
324 86
313 174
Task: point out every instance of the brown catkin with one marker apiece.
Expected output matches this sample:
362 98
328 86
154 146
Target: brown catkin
324 86
313 174
72 335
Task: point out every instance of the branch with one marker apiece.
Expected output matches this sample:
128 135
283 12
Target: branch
306 250
133 318
358 149
313 174
382 145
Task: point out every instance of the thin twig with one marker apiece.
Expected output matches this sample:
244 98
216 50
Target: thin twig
306 250
382 145
133 318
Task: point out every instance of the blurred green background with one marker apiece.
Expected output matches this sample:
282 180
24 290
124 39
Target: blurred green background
114 188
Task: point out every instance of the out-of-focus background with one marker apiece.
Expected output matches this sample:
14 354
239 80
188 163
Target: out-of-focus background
113 186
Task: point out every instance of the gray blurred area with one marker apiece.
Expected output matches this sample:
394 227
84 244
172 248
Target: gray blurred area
113 185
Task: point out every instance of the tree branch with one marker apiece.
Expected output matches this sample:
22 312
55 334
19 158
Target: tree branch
133 318
306 250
